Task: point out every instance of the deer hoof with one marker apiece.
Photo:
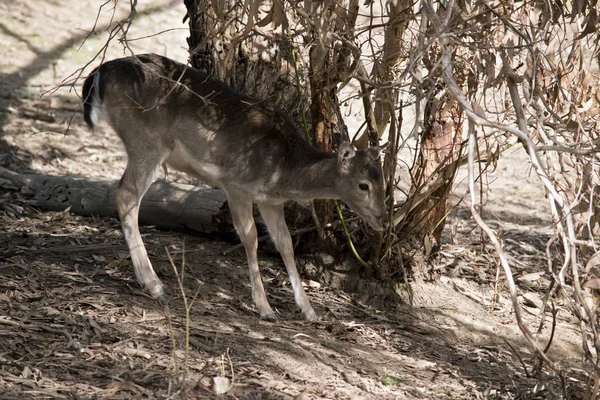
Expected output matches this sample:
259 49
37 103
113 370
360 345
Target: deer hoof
269 317
156 290
162 299
311 316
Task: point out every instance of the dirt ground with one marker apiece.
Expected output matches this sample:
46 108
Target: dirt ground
74 324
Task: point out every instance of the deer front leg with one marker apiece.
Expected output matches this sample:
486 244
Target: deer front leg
133 185
274 218
243 220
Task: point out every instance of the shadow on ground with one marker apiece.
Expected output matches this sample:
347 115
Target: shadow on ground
21 100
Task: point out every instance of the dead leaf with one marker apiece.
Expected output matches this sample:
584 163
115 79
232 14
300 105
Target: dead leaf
534 276
593 262
592 284
532 300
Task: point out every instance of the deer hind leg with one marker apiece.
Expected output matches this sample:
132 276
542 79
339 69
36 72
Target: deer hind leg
275 220
138 176
243 220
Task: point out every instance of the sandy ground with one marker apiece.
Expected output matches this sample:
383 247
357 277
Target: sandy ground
73 322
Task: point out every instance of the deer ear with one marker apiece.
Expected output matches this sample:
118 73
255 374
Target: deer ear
346 153
376 151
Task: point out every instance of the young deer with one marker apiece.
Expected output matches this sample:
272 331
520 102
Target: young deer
166 112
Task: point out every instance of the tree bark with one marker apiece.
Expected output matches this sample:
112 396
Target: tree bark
323 104
199 43
442 136
167 205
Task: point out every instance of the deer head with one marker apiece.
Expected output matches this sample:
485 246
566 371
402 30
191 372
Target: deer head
361 186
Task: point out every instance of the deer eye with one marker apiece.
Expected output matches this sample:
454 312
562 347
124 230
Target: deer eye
363 186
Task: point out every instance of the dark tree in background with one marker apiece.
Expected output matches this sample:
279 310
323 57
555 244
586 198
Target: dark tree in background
233 50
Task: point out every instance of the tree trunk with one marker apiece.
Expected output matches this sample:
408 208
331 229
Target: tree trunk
167 205
258 65
199 43
440 145
324 118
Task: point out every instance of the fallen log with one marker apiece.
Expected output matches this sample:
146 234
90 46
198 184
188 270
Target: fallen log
167 204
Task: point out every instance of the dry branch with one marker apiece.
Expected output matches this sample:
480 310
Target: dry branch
167 205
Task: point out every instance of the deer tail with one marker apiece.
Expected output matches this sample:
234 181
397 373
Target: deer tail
91 98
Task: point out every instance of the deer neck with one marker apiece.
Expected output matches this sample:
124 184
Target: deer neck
315 178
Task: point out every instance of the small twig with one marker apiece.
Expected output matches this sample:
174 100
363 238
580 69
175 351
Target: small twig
14 178
157 34
180 278
516 353
495 292
553 330
565 149
390 167
4 320
349 238
231 367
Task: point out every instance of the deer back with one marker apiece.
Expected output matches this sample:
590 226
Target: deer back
172 103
